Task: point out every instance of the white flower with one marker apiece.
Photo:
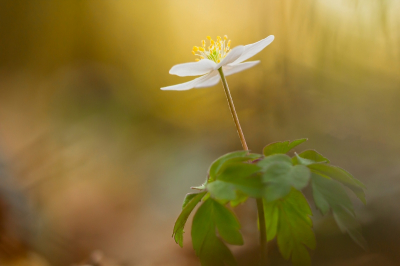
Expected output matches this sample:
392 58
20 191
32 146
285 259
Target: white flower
217 55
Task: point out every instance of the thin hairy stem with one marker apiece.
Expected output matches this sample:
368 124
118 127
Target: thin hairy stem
260 207
263 233
233 111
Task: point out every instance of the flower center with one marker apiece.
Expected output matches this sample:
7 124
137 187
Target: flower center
216 51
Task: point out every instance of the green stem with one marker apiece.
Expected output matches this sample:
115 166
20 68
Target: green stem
232 108
260 207
263 233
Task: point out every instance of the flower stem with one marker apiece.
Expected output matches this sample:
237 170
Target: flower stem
260 207
263 233
232 108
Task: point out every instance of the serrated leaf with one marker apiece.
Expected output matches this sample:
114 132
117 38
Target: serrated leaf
342 176
296 142
189 203
227 224
309 157
235 178
300 256
201 187
271 213
188 198
222 190
281 147
238 170
276 158
217 164
206 197
241 198
212 216
296 160
238 156
216 253
289 219
348 223
328 194
280 176
314 155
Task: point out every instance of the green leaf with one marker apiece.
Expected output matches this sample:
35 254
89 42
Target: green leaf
241 198
215 253
238 170
201 187
309 157
238 156
342 176
234 178
281 147
188 198
328 194
222 190
276 158
189 203
271 213
280 176
348 223
289 220
227 224
314 156
212 216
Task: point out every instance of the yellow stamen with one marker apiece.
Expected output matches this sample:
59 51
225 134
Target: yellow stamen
197 60
216 51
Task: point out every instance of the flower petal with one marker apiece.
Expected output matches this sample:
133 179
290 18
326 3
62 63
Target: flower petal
193 69
188 85
233 55
211 81
235 68
254 48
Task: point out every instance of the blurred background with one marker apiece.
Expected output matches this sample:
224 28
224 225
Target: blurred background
95 159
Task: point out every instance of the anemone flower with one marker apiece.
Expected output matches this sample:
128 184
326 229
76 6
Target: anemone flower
214 57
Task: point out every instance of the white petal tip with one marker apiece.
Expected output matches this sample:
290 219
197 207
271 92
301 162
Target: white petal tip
254 48
192 68
173 71
174 89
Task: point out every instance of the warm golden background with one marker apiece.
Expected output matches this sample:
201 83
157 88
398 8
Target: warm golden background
95 159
